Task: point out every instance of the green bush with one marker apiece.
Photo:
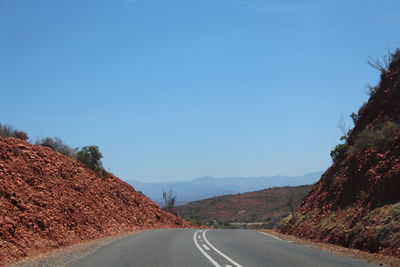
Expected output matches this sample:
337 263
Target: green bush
367 138
340 152
9 131
57 145
91 157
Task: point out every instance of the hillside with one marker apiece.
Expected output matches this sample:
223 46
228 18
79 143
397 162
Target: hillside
357 201
267 206
209 186
49 200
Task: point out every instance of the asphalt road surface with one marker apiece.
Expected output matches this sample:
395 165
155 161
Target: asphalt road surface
202 248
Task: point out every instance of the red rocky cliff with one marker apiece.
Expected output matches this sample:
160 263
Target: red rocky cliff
357 201
49 200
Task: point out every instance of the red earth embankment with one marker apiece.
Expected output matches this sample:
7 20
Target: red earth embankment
49 200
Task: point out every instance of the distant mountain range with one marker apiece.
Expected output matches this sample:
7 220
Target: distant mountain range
209 186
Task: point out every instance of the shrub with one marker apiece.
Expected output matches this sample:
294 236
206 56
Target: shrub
9 131
371 138
91 157
339 152
21 135
383 64
57 145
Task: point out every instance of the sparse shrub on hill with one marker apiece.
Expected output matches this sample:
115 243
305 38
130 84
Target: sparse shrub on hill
339 152
383 64
57 145
368 138
9 131
289 197
21 135
372 138
91 157
169 199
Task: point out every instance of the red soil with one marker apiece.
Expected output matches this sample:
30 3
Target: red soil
49 200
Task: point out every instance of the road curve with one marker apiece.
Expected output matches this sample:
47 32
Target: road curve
215 248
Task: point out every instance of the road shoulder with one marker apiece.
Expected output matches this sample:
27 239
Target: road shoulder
348 252
69 255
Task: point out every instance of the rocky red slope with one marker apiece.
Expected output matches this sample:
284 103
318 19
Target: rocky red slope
357 201
49 200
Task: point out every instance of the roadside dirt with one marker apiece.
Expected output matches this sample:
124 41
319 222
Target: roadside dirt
348 252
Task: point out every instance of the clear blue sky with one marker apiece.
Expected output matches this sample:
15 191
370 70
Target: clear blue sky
173 90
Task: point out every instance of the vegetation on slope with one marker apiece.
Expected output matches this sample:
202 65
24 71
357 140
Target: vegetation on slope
356 202
264 208
89 156
49 200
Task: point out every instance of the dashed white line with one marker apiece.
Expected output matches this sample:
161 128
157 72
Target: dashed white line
204 246
219 252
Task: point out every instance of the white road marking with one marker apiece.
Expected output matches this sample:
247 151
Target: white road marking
277 238
204 246
202 251
219 252
227 265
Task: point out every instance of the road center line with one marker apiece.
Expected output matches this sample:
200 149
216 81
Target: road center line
204 246
219 252
203 252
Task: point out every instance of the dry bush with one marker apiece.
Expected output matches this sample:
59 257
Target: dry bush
9 131
57 145
169 199
372 138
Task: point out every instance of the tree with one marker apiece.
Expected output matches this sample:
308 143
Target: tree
169 199
91 157
290 201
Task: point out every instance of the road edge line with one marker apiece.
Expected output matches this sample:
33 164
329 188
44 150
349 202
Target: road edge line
272 236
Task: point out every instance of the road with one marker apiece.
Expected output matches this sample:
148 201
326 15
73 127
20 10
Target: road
214 248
